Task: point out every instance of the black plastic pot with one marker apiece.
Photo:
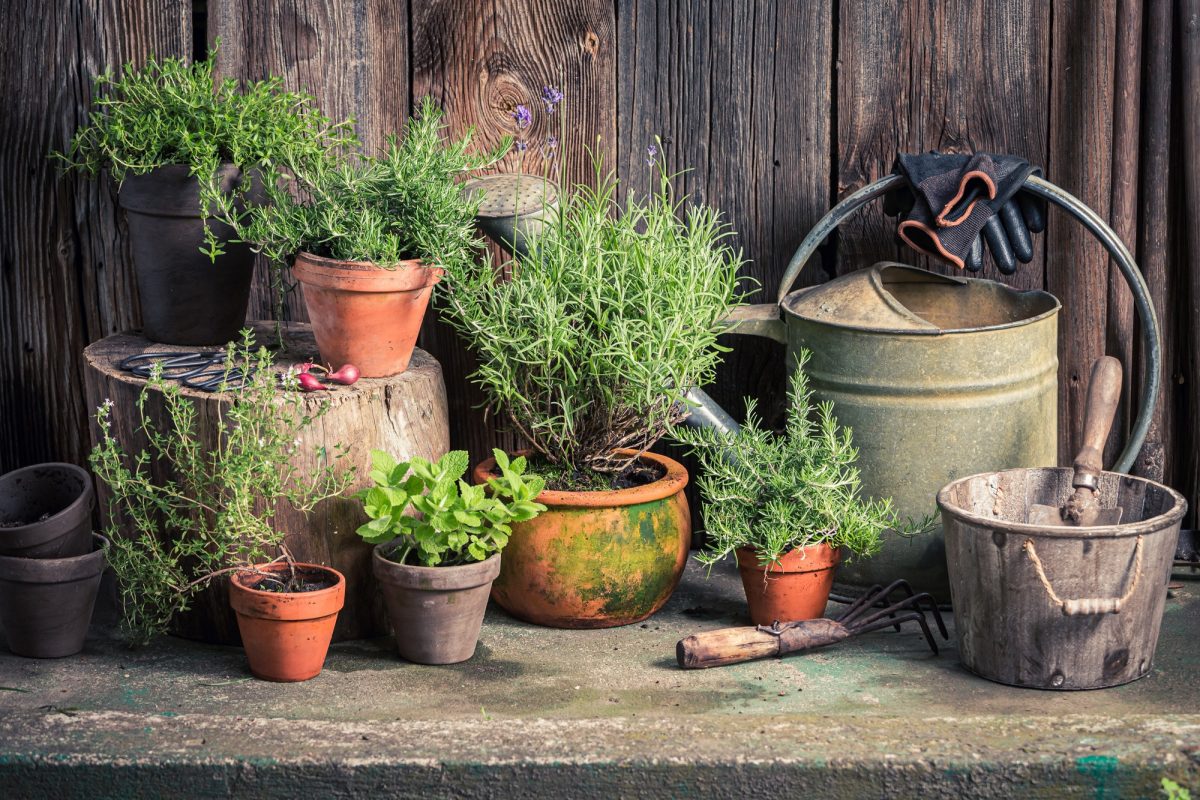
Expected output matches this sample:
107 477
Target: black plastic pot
186 298
61 494
46 603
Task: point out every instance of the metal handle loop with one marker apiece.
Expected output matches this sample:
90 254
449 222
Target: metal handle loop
1087 605
1151 336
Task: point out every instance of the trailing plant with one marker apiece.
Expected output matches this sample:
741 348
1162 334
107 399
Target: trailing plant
611 315
774 493
197 513
403 203
459 523
170 112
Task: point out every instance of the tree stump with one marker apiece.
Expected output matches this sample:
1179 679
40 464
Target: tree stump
404 415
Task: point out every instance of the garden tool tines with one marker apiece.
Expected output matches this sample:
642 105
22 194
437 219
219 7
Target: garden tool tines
1082 507
872 611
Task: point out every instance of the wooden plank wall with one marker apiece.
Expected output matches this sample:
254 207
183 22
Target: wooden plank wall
775 110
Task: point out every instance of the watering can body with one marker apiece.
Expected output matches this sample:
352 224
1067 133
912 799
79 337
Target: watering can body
938 378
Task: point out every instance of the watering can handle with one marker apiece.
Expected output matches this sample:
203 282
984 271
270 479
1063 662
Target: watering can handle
1151 336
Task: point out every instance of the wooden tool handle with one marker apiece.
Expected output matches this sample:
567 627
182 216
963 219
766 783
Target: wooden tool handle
725 646
1104 392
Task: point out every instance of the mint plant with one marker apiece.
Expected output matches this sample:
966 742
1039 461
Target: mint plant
459 523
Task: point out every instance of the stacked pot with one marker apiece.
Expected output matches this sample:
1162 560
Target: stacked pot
50 561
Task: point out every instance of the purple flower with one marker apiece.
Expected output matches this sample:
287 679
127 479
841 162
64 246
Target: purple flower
651 152
523 117
551 96
551 146
521 146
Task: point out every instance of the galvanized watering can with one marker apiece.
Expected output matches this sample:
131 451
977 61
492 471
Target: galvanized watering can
939 377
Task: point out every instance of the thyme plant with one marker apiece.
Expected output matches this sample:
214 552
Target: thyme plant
169 112
601 327
403 203
773 493
197 513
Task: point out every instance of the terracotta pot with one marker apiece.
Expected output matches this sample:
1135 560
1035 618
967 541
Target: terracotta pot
60 492
795 588
435 612
46 603
286 634
363 314
597 559
186 298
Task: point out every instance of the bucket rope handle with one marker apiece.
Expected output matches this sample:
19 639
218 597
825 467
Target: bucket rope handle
1151 336
1087 605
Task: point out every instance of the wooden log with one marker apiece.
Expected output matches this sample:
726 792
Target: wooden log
1189 56
67 274
404 415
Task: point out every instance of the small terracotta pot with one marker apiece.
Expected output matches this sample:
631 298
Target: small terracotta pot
186 297
597 559
363 314
286 634
61 492
796 588
46 603
436 612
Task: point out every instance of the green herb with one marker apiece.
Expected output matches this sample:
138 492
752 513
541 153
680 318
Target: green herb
168 112
610 317
196 513
404 203
774 493
1174 791
459 523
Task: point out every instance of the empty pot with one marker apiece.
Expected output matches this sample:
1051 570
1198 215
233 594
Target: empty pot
46 511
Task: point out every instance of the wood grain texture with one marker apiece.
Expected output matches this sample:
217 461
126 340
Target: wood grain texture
1081 158
1189 58
947 76
481 60
65 272
351 55
404 415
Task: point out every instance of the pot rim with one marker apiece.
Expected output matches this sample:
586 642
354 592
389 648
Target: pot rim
1164 521
56 519
412 275
235 581
22 569
438 579
670 484
824 556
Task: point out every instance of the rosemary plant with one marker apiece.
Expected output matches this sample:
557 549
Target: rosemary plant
602 326
773 493
169 112
197 513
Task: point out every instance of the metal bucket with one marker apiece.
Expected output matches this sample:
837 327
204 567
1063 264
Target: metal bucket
1063 607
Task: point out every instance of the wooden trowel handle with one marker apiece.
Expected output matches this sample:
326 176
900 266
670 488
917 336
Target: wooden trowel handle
1104 392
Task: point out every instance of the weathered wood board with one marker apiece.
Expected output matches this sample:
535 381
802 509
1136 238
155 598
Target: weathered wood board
404 415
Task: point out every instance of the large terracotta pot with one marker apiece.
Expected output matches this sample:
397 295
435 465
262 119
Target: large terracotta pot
286 634
597 559
797 587
186 297
363 314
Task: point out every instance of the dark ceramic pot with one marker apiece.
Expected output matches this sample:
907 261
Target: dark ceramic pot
46 603
435 612
186 298
63 495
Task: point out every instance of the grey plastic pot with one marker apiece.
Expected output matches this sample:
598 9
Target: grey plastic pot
60 492
46 603
435 612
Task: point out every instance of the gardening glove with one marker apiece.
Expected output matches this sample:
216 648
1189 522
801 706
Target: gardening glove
955 203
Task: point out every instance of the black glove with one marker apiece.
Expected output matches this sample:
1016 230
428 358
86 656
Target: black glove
953 203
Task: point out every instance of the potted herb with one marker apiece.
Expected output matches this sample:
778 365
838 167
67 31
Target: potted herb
183 146
787 505
369 236
436 567
201 514
587 349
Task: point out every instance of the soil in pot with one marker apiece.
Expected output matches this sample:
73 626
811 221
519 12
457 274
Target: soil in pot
435 612
363 314
46 511
46 603
795 588
286 634
597 559
186 297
